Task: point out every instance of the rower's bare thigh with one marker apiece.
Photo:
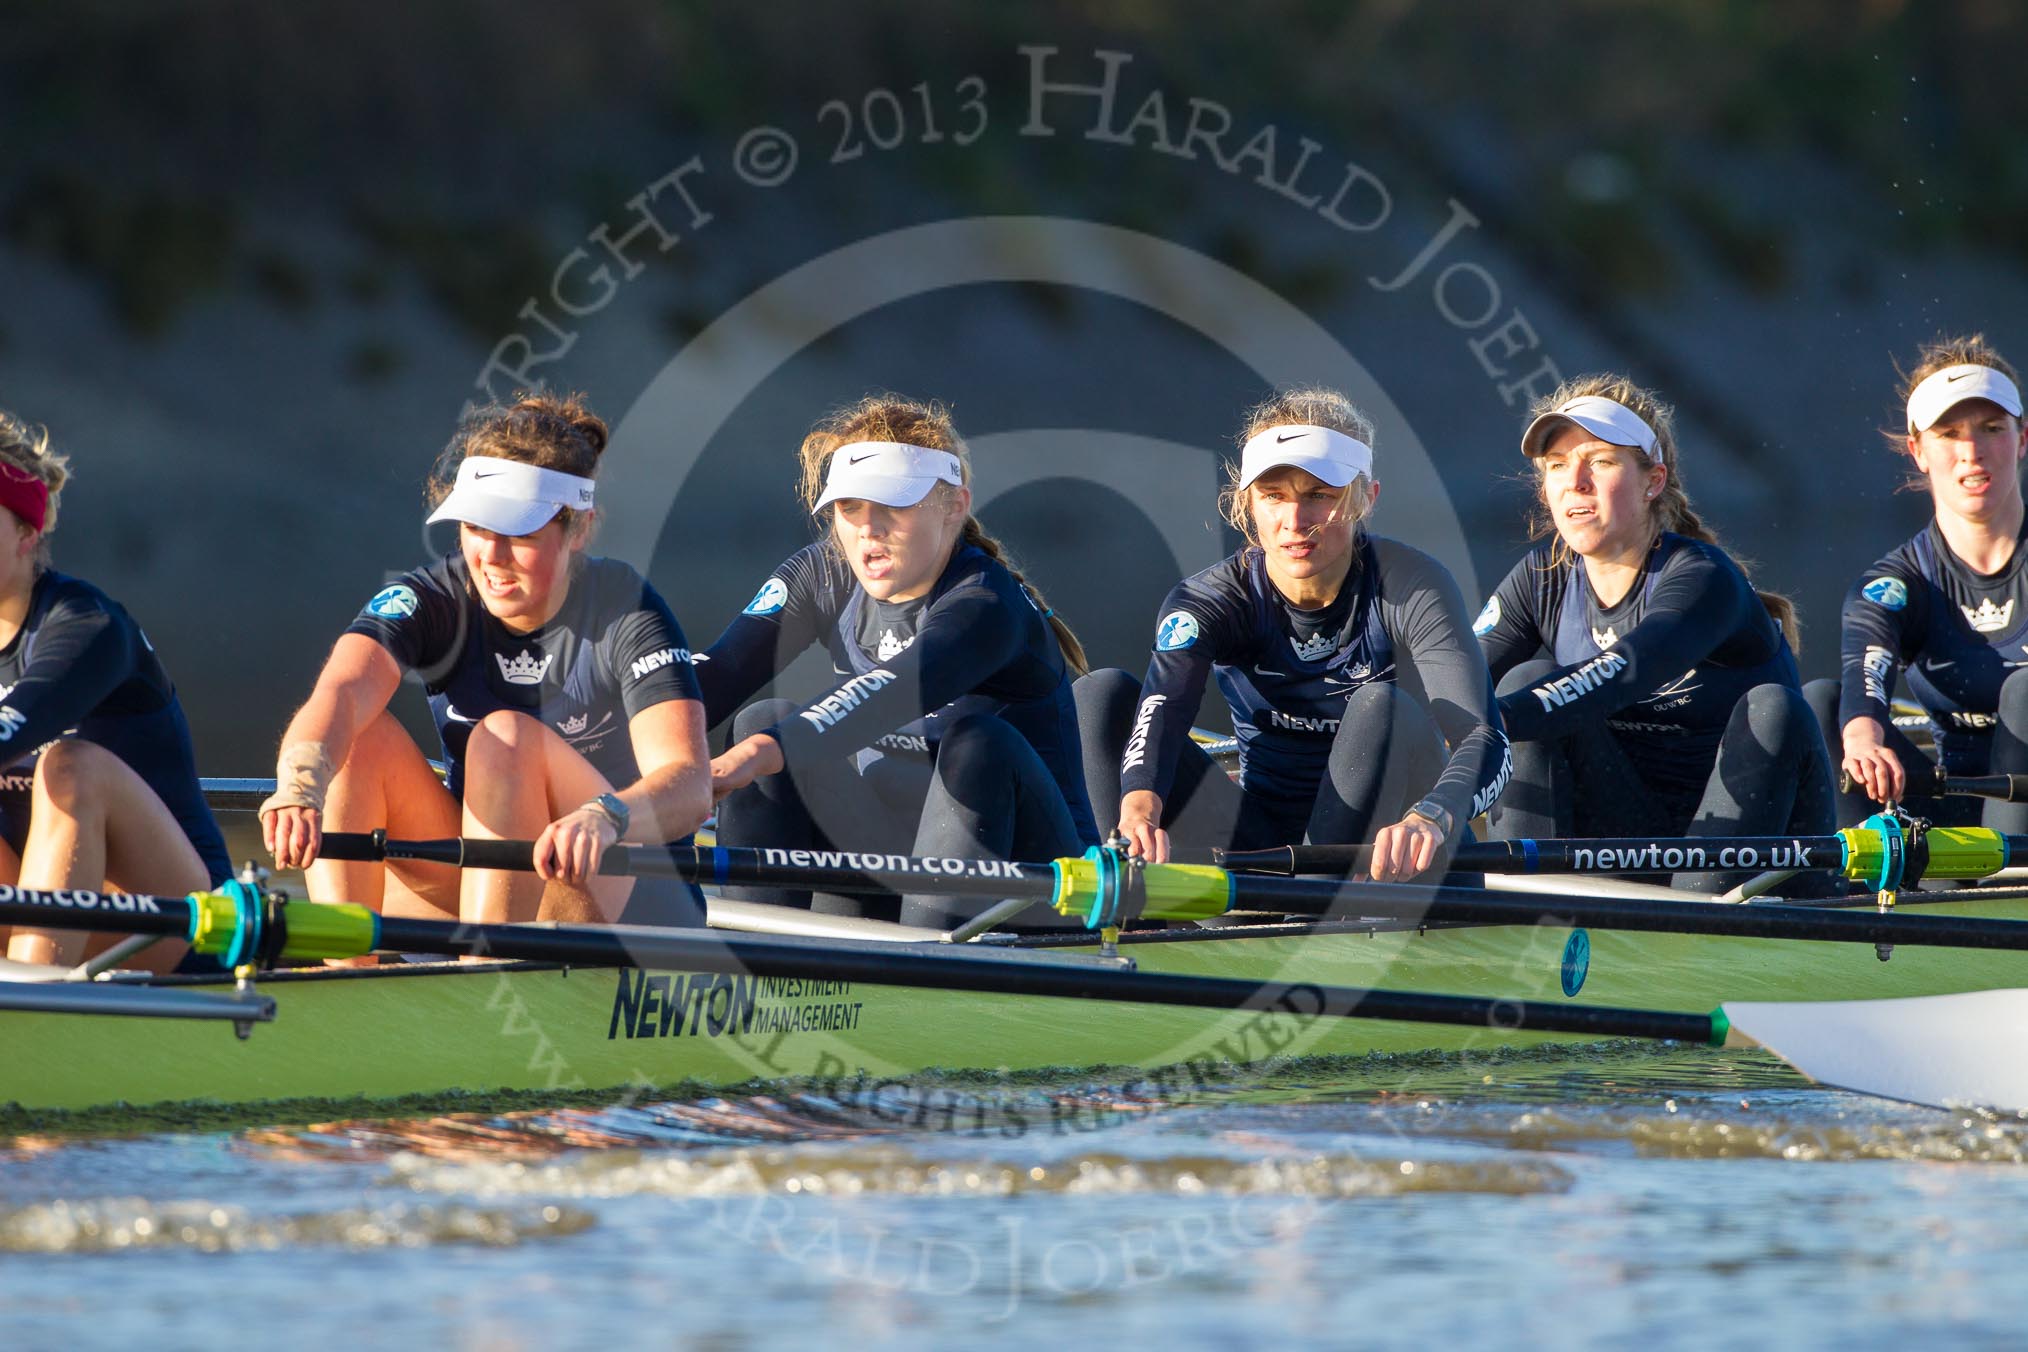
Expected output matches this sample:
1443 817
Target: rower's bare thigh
570 781
573 782
146 850
388 782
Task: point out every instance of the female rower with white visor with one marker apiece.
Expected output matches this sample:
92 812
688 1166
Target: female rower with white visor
949 730
1362 706
1949 608
560 686
1648 688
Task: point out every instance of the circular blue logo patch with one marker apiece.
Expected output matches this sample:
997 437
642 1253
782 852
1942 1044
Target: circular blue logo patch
1890 593
1576 961
1178 629
392 603
770 598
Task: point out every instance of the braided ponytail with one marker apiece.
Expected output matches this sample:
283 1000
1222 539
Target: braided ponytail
1671 509
889 417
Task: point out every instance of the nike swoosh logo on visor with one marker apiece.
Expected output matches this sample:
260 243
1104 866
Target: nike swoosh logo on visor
853 460
1952 380
486 474
1289 436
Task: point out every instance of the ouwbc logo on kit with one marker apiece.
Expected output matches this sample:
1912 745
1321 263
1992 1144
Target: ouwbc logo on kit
772 596
393 603
1178 629
1890 593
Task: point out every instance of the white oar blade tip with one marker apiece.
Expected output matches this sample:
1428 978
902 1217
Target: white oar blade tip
1943 1051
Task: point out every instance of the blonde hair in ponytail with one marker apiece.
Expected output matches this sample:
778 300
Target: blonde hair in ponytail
889 417
1670 510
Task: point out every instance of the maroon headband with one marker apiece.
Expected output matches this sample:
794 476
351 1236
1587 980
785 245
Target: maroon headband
24 494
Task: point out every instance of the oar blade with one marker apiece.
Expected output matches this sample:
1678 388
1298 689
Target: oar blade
1945 1051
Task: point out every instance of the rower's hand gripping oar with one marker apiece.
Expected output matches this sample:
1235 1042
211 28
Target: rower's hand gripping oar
1933 781
1887 852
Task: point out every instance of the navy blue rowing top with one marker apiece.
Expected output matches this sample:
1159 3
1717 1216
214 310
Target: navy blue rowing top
1663 668
975 643
1286 673
1958 633
613 650
81 667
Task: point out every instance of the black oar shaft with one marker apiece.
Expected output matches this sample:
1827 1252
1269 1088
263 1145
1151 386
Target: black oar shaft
820 870
961 969
1321 897
115 912
939 969
1755 920
1616 855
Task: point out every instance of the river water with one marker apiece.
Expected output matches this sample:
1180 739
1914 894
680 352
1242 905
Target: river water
1564 1197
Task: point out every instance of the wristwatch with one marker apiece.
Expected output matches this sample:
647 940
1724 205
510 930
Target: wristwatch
1436 814
614 811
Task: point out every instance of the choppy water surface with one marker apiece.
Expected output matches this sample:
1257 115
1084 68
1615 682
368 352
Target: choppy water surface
1585 1198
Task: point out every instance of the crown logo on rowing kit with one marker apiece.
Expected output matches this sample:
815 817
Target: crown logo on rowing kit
891 646
1989 618
1335 682
571 727
1311 649
524 669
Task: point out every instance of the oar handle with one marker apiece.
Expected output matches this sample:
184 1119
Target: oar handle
1933 781
513 856
1492 856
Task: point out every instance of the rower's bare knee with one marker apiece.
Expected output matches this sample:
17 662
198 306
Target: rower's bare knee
71 774
505 732
382 736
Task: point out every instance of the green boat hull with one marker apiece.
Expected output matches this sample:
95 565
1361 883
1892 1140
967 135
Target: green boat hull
374 1035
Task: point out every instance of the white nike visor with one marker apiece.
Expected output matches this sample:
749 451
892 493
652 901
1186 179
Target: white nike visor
1323 451
1946 389
891 473
509 497
1607 419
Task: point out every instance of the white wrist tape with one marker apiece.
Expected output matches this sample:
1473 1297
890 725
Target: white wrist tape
302 775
